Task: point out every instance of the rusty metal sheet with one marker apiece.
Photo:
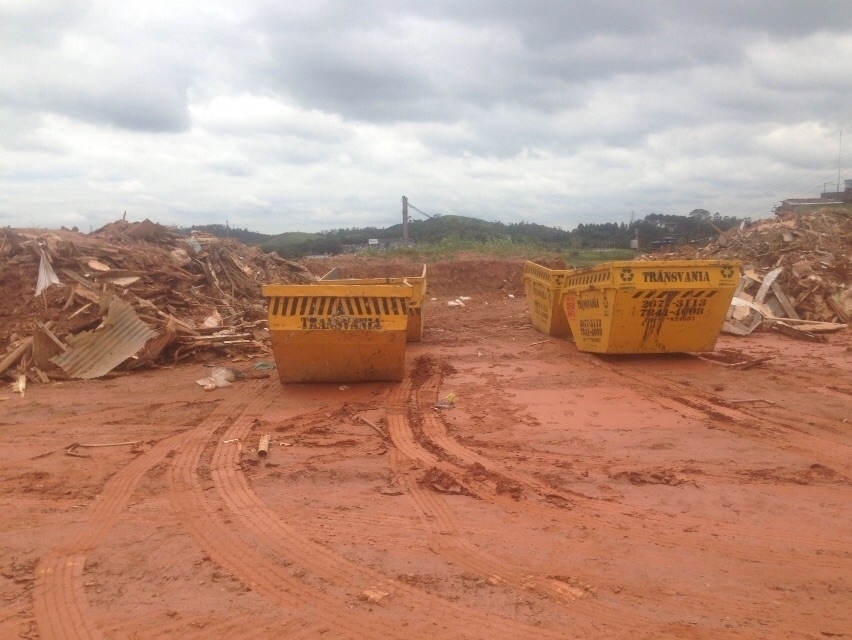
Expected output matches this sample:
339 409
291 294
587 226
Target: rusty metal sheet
95 353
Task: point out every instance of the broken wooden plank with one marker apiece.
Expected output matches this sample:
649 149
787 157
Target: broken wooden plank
768 280
532 344
87 294
791 331
742 366
810 325
45 347
82 309
784 301
222 338
16 355
842 314
80 279
45 327
119 273
180 324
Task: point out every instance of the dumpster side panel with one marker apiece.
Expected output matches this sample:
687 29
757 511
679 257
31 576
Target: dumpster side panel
339 356
415 307
650 307
338 332
669 321
543 288
591 315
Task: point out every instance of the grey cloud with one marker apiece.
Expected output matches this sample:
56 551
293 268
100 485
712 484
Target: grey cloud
545 110
39 23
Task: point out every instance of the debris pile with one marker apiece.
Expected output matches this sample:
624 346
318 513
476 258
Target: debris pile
797 267
130 295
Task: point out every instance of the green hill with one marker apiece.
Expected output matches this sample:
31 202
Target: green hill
696 227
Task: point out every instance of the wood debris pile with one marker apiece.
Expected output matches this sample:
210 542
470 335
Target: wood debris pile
812 254
113 289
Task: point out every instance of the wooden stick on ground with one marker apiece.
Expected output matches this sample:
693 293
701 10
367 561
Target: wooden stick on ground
263 447
375 427
532 344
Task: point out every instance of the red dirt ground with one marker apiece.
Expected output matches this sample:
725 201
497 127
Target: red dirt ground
564 495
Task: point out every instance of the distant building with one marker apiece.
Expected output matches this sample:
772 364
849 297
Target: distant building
839 196
825 199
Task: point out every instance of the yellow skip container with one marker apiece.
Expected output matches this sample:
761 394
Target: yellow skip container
649 307
338 332
543 289
415 308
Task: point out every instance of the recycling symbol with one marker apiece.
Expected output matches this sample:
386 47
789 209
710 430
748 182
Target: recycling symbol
627 274
727 272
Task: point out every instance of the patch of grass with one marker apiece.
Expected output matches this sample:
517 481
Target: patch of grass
579 258
450 248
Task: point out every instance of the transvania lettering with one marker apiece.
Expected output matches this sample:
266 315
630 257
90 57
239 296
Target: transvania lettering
338 323
676 276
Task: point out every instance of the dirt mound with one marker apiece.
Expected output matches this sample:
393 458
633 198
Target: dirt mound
469 273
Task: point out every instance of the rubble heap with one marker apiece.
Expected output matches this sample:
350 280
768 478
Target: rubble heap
813 251
128 295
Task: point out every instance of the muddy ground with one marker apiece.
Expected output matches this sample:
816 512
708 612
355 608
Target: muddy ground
563 495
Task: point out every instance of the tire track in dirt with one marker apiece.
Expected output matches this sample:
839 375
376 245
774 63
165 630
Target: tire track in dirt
441 520
126 415
614 512
736 421
227 545
448 540
436 432
246 507
831 444
739 538
247 626
59 599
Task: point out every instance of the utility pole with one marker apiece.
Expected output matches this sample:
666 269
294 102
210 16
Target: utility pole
404 221
839 156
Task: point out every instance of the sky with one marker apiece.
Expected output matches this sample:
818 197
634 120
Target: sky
278 116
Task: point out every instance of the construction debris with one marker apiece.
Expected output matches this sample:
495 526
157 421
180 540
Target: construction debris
263 446
798 267
804 259
130 295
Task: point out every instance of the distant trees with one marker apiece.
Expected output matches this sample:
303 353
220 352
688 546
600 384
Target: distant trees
697 226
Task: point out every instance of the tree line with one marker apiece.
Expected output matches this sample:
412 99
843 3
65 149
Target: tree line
699 226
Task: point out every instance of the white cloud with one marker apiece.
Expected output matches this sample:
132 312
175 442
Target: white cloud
282 116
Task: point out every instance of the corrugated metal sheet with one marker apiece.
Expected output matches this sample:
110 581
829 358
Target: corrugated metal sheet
95 353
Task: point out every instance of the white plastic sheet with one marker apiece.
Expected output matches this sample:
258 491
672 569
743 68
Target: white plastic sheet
46 275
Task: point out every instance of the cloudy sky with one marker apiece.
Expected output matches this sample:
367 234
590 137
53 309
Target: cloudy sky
275 115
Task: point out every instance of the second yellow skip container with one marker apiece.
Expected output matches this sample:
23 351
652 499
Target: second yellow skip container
649 306
415 308
543 288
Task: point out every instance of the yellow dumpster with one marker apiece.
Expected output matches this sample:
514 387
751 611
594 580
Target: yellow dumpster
543 288
338 332
649 307
415 308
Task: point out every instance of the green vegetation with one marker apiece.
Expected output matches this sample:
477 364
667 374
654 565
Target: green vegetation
448 248
578 259
449 235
